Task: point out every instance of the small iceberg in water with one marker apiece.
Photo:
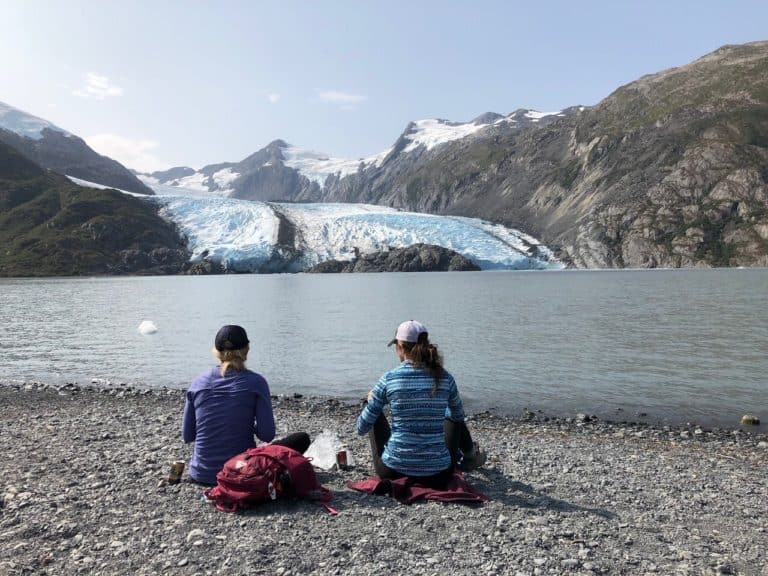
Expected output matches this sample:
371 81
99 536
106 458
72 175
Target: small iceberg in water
147 327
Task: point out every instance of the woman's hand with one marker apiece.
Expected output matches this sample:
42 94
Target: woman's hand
370 394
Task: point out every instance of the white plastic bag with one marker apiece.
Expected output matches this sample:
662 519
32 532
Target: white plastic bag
322 451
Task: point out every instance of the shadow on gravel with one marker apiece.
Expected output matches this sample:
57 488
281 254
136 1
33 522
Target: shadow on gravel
498 487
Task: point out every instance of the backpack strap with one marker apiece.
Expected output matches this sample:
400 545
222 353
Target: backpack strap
331 510
323 498
223 504
226 506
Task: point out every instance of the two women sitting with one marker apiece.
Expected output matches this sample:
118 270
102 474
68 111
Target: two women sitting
228 405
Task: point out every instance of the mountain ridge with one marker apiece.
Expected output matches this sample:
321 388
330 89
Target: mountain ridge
56 149
282 172
670 170
51 227
666 171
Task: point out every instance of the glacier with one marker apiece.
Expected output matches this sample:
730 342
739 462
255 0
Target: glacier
239 234
248 236
251 236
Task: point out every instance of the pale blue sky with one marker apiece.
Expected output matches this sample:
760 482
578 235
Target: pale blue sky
164 83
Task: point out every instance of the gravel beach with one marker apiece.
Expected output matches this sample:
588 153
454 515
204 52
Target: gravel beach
83 492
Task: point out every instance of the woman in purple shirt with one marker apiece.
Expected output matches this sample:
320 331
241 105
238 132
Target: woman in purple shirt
226 406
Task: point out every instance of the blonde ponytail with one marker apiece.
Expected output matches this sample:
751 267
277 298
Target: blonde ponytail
234 359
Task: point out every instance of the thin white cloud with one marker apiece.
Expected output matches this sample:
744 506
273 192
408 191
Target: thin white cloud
273 98
339 97
136 154
97 87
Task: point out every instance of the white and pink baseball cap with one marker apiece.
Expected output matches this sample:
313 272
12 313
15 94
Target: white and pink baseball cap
408 331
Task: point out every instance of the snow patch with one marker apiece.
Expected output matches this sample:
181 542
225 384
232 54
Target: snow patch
433 132
194 181
532 115
168 189
87 184
23 124
223 179
317 166
536 116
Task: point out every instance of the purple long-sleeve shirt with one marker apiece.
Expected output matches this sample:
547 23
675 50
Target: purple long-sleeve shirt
221 416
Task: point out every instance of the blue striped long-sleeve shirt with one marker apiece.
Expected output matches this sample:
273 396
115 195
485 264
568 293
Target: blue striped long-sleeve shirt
417 444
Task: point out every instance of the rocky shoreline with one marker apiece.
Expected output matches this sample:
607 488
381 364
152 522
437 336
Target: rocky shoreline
83 492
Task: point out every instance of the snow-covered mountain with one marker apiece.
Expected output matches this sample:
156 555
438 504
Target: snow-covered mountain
283 172
60 151
253 236
26 125
268 212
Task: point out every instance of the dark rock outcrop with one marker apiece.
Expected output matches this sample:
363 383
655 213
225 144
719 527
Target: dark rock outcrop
205 267
416 258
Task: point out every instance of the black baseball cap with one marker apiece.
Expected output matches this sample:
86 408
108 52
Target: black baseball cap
231 337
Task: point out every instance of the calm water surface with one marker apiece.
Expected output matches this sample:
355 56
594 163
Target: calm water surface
677 345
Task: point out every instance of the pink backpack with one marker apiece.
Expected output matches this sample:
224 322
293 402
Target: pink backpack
264 473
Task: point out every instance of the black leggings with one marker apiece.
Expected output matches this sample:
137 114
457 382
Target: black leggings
457 438
299 441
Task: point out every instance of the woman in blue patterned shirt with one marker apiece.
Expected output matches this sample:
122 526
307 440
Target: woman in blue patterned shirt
428 437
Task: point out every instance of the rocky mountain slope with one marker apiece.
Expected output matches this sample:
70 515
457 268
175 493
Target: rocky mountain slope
51 147
52 227
670 170
282 172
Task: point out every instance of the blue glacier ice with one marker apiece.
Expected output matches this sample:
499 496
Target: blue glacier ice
239 234
244 235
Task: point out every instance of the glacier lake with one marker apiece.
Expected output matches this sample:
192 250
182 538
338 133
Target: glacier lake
666 345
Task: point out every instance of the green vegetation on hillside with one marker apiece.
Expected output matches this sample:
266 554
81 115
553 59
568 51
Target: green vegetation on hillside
51 227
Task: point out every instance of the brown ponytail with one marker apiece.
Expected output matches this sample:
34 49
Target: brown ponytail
424 354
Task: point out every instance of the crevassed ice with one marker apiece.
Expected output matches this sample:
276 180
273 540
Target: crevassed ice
242 234
238 233
333 231
513 238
